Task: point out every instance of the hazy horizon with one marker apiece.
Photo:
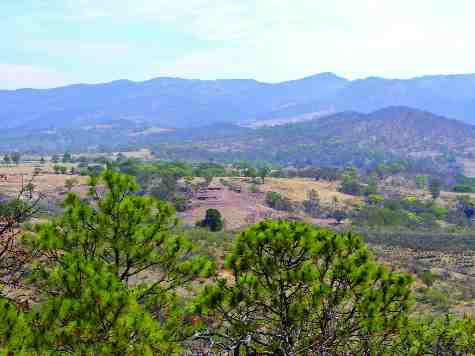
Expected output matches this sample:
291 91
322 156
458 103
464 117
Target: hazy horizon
56 43
231 79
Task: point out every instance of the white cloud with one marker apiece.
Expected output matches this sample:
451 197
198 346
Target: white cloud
82 49
15 76
353 38
277 40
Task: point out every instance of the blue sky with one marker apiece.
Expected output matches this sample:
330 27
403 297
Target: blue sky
47 43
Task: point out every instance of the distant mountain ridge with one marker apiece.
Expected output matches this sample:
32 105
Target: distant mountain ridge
182 103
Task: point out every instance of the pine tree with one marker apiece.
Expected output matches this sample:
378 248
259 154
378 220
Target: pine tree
6 159
212 220
89 264
303 290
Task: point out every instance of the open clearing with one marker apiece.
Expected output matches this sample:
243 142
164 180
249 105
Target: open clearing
46 182
296 189
248 207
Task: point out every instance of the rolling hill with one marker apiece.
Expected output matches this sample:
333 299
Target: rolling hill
347 138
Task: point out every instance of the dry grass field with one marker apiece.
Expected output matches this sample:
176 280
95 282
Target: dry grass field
296 189
46 182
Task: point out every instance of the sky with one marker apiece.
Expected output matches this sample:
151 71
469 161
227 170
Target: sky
50 43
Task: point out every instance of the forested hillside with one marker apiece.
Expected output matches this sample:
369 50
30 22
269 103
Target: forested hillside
349 138
181 103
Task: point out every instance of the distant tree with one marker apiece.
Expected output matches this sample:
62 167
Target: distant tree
180 202
56 169
312 204
42 160
467 206
188 181
335 202
375 199
70 183
339 215
372 187
254 188
164 187
121 158
421 182
15 157
276 201
350 183
299 290
6 159
263 173
251 172
67 157
435 186
63 169
212 220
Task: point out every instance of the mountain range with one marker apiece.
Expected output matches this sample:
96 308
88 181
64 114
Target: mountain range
182 103
347 138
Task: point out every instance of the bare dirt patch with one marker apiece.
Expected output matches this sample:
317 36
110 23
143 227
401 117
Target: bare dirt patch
240 209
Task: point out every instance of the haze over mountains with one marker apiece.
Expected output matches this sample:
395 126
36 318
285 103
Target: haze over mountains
342 139
181 103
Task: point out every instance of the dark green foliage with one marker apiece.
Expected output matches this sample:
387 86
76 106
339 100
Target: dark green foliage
350 183
435 186
88 310
13 212
421 182
6 159
439 299
276 201
311 206
371 188
408 212
436 337
113 274
299 290
464 184
89 261
339 215
15 157
212 220
263 173
67 157
428 278
164 187
467 206
58 169
463 188
209 169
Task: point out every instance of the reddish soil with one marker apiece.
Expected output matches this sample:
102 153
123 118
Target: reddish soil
239 209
